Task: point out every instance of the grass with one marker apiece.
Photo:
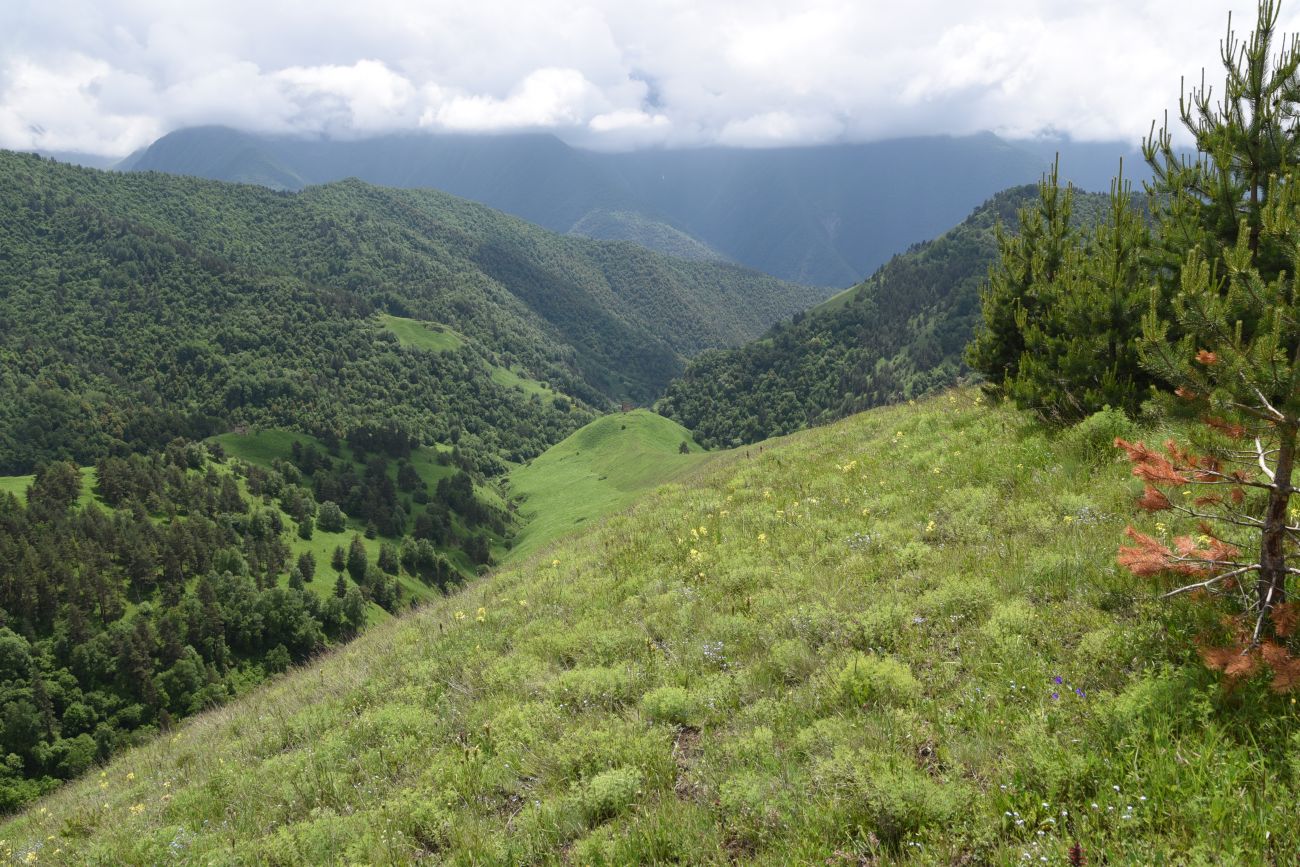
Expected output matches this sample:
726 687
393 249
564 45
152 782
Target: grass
596 471
435 337
837 301
17 485
840 649
430 336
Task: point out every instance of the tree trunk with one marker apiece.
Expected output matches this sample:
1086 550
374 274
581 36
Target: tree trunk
1272 555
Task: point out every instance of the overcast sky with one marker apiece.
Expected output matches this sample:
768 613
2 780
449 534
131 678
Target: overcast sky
107 76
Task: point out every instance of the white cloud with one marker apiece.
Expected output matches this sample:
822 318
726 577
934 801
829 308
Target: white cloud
110 75
546 98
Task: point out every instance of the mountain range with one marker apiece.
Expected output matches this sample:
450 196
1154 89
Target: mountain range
825 216
138 307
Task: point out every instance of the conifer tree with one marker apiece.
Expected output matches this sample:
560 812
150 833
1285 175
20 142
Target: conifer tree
1059 332
1233 353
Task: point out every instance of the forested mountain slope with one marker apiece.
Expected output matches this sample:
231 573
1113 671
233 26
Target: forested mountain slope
138 307
825 215
902 638
897 335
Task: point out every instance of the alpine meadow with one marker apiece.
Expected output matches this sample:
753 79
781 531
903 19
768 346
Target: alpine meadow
347 521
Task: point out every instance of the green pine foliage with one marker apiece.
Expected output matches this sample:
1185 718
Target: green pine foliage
1061 333
1062 311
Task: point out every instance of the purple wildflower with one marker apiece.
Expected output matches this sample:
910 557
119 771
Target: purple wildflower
1057 680
1080 693
1056 696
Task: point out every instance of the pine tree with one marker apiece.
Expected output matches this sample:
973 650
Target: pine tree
357 559
1228 225
1027 261
1238 366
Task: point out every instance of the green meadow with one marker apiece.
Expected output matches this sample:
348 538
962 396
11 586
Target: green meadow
599 469
902 638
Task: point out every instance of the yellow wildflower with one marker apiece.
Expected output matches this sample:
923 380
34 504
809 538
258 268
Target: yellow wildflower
555 563
137 809
130 775
459 615
523 603
762 537
481 614
929 528
1069 519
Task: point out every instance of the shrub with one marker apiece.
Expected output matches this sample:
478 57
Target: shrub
668 704
876 680
1092 440
608 794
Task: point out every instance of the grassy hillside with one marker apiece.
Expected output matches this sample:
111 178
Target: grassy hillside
901 638
598 470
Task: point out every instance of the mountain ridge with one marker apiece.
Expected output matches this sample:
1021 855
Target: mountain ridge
824 215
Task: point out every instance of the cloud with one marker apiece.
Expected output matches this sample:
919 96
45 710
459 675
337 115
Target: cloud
107 76
546 98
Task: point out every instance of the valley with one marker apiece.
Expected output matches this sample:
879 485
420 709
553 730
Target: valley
907 621
448 438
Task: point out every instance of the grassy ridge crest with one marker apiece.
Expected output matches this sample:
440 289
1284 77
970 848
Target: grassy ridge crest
900 638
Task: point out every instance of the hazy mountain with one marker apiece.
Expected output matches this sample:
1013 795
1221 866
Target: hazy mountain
819 215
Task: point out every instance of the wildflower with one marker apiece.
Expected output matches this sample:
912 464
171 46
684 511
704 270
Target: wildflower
555 563
767 493
696 556
130 775
704 531
31 857
523 603
1057 680
481 614
1069 519
1080 693
137 809
762 537
929 528
1056 696
459 615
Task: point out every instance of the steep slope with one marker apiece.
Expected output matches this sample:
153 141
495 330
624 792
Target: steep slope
599 469
898 639
826 216
138 307
895 336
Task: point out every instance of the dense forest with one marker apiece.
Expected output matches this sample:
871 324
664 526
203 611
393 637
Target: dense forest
137 308
152 587
898 335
